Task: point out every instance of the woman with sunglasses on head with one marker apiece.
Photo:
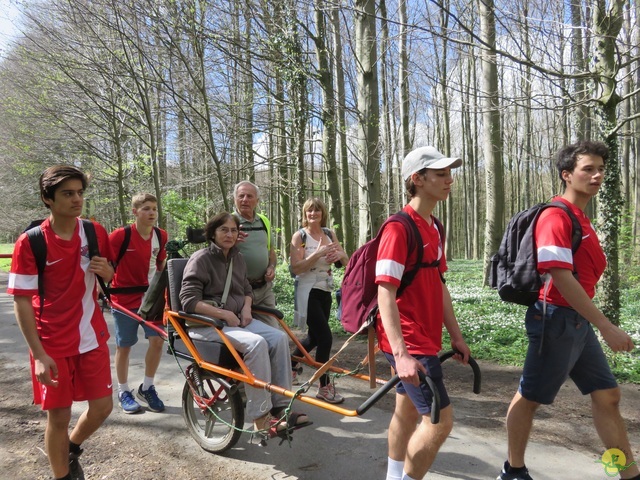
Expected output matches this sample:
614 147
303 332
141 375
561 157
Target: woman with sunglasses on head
314 248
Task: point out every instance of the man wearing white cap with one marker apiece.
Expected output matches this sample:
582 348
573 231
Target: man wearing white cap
410 330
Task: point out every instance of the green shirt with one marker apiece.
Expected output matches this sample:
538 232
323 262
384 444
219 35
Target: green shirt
254 249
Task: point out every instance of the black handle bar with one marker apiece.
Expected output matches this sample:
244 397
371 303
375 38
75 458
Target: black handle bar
477 376
435 407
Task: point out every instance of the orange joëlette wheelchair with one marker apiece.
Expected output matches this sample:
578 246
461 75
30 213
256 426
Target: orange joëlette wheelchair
212 401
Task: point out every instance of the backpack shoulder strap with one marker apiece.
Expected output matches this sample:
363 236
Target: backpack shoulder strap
415 241
303 237
39 249
440 228
267 227
576 230
159 235
443 236
94 249
125 243
92 239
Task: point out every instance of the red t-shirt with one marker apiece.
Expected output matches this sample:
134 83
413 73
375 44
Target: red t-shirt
553 243
138 264
420 305
72 322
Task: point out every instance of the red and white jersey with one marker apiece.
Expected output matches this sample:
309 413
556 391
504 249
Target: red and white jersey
139 264
553 243
72 322
420 305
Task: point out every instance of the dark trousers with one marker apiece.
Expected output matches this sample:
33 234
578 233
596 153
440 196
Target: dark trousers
319 334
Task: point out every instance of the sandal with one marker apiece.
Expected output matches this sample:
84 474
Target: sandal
298 420
270 426
295 421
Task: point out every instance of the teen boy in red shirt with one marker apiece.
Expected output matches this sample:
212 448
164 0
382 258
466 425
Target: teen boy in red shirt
563 344
410 330
145 254
67 338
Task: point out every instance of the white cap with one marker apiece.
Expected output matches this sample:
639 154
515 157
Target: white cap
426 157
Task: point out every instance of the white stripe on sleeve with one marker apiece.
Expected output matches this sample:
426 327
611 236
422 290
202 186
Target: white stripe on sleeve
552 253
23 282
389 268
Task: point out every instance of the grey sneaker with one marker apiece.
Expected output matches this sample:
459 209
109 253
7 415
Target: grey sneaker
523 475
74 466
328 394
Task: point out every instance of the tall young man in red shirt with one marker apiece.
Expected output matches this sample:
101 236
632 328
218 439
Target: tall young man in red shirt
563 343
410 330
145 254
67 338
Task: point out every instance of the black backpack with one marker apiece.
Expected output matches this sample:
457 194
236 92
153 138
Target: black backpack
39 249
514 269
123 250
127 239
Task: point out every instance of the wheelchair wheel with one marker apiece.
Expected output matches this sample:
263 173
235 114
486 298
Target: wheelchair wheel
215 416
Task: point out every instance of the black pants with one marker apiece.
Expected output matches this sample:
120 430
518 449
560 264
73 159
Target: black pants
319 334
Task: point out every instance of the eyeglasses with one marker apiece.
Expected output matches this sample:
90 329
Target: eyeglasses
227 231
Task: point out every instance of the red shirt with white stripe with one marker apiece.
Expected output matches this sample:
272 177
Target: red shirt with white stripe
138 264
72 322
420 305
553 243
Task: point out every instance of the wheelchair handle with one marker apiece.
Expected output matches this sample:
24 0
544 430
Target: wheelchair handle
435 406
477 375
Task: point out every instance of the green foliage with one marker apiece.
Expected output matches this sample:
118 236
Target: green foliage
5 263
185 213
494 330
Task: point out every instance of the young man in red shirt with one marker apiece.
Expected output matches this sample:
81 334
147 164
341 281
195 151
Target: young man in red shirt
563 343
67 338
410 330
145 254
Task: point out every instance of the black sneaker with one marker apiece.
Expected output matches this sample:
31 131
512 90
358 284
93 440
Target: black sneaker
74 466
522 474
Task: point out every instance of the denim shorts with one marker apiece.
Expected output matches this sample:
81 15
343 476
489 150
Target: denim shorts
421 396
127 329
570 349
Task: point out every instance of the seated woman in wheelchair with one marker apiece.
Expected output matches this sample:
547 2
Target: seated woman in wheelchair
265 349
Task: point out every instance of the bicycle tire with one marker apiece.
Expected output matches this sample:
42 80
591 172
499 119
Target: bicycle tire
217 428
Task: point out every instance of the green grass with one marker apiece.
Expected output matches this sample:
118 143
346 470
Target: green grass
5 263
494 330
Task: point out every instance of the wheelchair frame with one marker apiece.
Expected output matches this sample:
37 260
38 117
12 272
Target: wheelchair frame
212 400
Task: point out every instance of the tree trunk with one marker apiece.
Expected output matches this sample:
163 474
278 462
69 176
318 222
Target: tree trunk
492 135
328 116
607 23
345 177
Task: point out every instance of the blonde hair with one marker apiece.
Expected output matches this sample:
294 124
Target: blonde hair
138 200
314 203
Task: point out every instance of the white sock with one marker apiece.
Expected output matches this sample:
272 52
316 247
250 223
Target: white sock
394 469
147 383
406 477
123 387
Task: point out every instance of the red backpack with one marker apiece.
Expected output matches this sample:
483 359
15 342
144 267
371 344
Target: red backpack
359 301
